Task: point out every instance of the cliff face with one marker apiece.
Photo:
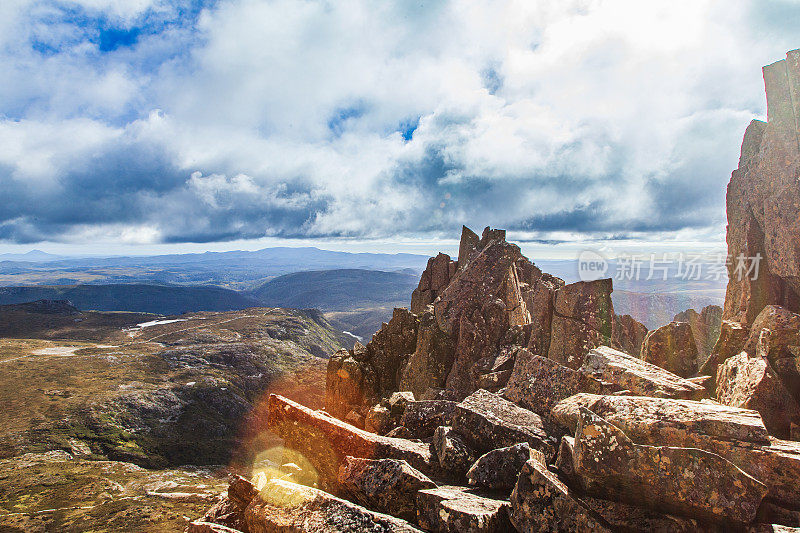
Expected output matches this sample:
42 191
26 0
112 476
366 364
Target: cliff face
763 201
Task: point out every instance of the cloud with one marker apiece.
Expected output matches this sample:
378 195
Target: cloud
200 121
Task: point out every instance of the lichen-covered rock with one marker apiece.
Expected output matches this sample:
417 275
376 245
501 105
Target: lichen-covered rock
325 441
628 334
538 383
685 481
673 348
488 421
778 320
434 279
432 359
583 319
637 376
750 383
350 383
498 469
681 423
731 341
378 420
459 510
736 434
385 485
398 402
541 502
421 418
286 506
455 456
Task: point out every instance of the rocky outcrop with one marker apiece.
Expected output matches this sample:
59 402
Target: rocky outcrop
673 348
435 279
731 341
705 327
763 202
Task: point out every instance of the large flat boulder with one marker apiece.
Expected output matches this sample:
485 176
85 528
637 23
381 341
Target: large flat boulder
385 485
285 506
488 421
684 481
452 509
326 441
637 376
736 434
750 383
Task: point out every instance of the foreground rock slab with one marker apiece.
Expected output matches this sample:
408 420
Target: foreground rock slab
637 376
738 435
459 510
286 506
488 421
385 485
685 481
326 441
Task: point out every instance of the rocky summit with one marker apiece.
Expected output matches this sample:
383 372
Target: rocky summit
504 399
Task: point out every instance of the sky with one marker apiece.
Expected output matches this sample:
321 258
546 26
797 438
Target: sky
149 126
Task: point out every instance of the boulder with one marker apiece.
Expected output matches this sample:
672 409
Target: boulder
538 383
286 506
685 481
776 319
673 348
488 421
637 376
398 402
750 383
763 203
459 510
736 434
731 341
705 327
542 502
628 334
378 420
326 441
423 417
384 485
455 456
350 383
583 319
498 469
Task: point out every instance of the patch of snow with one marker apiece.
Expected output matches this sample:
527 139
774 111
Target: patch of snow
159 322
58 350
358 337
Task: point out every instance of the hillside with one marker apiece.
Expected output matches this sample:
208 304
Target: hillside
141 298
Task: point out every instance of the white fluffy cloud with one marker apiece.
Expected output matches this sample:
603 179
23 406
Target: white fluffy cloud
204 121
